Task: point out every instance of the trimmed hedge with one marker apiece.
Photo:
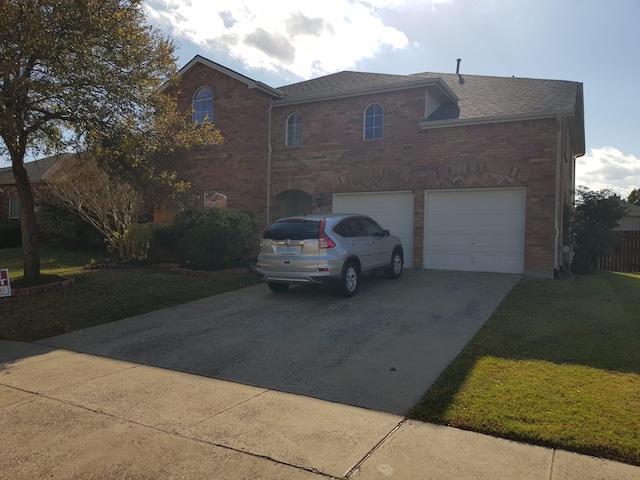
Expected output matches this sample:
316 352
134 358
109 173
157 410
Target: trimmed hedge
204 239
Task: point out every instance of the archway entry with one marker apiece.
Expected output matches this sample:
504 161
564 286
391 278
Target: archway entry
293 202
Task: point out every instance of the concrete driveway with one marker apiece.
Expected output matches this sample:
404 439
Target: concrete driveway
381 349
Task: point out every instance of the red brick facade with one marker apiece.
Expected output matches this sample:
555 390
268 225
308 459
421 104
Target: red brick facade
536 154
238 167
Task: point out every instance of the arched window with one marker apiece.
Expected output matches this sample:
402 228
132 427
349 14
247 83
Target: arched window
294 130
203 106
373 122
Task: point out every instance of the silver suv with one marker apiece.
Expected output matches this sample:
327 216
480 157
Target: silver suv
327 249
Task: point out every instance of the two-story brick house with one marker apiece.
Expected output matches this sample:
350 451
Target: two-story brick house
472 172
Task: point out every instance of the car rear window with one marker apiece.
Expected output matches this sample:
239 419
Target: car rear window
293 230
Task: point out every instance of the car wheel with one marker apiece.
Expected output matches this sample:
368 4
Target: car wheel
278 287
349 280
395 267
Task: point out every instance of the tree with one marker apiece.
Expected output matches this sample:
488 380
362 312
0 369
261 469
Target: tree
634 197
111 205
596 214
86 75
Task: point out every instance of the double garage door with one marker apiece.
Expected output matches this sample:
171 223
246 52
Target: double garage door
466 230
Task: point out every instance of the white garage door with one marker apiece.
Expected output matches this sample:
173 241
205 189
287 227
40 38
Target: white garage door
475 230
392 210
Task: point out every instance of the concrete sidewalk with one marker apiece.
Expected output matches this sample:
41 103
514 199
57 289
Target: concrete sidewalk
72 415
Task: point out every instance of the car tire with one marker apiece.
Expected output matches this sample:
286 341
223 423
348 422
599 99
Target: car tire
396 266
278 287
350 278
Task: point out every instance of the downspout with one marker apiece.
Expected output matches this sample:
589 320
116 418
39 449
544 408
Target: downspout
269 166
556 215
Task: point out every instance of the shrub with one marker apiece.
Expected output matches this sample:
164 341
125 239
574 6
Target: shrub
164 245
139 240
10 235
213 238
209 247
60 226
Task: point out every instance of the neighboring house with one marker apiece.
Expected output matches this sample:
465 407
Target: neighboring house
472 172
631 221
38 171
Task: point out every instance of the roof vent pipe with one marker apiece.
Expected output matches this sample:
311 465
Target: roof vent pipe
458 65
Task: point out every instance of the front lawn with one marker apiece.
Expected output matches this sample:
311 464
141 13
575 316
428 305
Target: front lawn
98 296
558 364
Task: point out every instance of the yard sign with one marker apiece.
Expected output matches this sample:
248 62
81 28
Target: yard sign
5 285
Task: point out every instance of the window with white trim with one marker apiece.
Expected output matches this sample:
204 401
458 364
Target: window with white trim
14 208
202 106
373 122
294 130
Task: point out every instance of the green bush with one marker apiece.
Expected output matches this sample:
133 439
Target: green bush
139 238
212 239
209 247
60 226
10 235
163 246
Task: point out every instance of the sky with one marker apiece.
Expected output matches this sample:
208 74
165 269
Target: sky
279 42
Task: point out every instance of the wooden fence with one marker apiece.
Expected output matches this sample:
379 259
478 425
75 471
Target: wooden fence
626 257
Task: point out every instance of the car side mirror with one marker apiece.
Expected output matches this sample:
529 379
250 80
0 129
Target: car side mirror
386 233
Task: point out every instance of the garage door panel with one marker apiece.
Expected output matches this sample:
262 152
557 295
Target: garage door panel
475 230
392 210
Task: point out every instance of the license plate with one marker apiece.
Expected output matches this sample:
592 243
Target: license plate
287 250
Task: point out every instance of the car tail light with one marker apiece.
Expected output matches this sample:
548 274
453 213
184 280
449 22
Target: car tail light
323 240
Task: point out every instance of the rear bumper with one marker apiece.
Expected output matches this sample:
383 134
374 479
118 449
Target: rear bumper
317 278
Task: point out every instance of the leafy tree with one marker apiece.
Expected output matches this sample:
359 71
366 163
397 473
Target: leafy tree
87 75
634 197
596 214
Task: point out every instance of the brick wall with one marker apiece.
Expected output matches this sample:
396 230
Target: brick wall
238 167
334 157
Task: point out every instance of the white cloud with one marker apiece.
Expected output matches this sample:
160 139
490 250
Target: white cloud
306 38
608 168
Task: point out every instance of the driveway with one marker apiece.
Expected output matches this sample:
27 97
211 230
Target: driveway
381 349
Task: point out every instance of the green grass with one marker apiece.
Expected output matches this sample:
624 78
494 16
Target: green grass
558 364
97 296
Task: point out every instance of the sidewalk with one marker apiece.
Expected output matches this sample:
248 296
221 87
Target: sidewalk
67 415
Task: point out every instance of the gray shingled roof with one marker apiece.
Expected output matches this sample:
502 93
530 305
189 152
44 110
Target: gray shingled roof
37 170
479 96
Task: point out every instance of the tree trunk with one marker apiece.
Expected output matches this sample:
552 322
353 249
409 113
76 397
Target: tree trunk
28 224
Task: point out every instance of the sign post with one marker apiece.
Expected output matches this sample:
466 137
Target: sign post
5 285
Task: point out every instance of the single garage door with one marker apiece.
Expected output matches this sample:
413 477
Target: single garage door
392 210
475 230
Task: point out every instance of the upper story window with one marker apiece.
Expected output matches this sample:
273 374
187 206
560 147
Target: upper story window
373 122
294 130
203 106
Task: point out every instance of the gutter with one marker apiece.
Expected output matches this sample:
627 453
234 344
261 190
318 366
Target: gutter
269 150
557 213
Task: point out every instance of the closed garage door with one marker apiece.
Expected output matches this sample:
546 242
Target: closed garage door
475 230
392 210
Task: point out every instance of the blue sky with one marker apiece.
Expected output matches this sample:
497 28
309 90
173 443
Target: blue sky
280 42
